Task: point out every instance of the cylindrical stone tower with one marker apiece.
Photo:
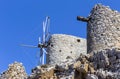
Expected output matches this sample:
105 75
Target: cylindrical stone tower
103 29
63 47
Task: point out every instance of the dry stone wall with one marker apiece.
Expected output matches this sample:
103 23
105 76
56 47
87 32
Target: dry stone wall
63 48
103 29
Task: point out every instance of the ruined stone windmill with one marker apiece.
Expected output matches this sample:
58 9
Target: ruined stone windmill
103 29
103 38
59 48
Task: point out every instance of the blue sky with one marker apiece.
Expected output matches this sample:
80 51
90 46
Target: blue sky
21 23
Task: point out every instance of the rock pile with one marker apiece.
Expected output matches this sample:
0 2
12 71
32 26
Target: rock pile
66 70
101 65
15 71
43 72
106 63
108 59
90 66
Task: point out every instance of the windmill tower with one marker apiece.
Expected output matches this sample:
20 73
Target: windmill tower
59 48
65 48
103 28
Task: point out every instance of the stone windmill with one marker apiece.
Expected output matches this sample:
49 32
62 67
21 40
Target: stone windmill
103 28
63 48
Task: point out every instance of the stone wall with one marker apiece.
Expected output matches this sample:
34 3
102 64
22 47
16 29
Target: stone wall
63 47
103 29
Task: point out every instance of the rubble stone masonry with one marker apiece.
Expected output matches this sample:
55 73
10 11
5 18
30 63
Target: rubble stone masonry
103 29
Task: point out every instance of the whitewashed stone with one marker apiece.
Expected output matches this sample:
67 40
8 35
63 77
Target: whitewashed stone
63 47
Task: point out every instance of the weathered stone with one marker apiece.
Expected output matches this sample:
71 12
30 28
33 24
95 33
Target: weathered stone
15 71
91 69
112 59
118 55
103 23
91 76
63 48
77 64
